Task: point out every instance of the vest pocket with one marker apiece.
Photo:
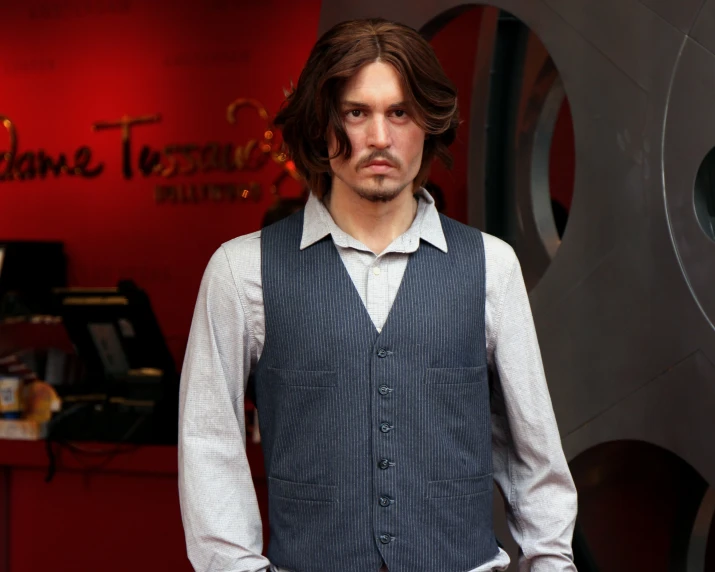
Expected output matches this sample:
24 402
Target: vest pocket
301 438
459 487
296 377
458 428
460 519
301 491
455 375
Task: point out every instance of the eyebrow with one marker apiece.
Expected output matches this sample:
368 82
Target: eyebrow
362 105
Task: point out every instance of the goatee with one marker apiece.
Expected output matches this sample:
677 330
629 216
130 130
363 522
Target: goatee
379 195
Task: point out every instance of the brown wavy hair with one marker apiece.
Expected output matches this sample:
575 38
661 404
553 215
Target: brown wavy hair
312 109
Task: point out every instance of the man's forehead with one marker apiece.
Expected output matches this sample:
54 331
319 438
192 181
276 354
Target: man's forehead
373 80
357 103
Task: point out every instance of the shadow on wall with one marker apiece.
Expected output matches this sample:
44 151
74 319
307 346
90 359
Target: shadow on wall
638 507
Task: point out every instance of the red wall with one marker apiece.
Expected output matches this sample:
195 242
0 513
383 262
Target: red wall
456 47
562 159
66 65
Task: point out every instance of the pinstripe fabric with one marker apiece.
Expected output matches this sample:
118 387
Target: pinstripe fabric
352 416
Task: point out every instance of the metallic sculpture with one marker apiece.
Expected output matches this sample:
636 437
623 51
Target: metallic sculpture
624 301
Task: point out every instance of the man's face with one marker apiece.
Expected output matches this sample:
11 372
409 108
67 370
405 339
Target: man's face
387 145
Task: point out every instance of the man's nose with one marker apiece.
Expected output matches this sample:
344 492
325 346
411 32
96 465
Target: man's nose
379 135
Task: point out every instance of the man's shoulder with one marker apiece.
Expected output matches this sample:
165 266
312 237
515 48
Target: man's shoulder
237 261
244 245
498 251
500 261
495 249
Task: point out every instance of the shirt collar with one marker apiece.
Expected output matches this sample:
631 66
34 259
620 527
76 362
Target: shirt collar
427 226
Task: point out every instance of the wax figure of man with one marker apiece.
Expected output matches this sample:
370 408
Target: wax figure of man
397 370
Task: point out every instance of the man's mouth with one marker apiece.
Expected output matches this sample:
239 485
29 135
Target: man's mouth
379 165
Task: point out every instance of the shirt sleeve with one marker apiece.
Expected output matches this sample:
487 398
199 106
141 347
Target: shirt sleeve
219 508
529 463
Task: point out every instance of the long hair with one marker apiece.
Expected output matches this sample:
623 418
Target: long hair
312 109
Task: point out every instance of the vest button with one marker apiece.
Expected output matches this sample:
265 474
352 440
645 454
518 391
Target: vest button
385 501
386 427
384 464
383 390
382 352
386 538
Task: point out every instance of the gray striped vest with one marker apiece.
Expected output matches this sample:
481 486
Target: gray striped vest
377 446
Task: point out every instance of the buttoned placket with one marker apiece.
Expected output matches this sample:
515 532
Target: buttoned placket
383 429
377 302
377 296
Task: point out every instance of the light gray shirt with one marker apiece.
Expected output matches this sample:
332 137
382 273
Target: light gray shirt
218 501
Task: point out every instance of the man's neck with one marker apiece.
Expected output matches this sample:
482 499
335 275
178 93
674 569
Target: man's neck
375 224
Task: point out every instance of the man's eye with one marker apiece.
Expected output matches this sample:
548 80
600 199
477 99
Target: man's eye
399 112
354 112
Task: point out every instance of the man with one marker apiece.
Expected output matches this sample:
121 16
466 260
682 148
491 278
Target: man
397 370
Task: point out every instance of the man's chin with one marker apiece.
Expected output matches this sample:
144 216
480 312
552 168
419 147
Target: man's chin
379 194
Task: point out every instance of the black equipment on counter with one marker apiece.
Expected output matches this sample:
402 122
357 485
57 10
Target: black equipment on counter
114 331
130 372
29 270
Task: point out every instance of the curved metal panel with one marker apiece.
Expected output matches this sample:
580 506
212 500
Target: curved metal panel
628 34
689 136
679 14
541 99
539 187
703 31
672 411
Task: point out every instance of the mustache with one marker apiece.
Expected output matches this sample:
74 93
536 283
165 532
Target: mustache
379 154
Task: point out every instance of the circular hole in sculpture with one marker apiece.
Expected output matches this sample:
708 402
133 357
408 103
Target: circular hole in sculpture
514 155
704 198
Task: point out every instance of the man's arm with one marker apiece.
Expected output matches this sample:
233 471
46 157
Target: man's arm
218 501
529 463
